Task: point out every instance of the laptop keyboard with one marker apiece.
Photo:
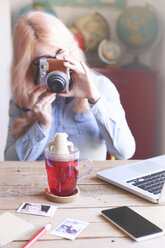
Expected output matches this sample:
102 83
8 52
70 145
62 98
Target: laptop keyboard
152 183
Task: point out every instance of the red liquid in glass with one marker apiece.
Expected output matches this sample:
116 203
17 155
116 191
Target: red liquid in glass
62 176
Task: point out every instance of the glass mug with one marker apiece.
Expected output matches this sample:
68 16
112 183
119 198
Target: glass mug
62 171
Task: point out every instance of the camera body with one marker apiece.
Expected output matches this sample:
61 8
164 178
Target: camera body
54 75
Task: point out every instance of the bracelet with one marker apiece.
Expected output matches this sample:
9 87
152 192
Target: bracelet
23 109
90 102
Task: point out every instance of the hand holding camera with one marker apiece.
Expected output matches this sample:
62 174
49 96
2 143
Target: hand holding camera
41 107
53 77
58 76
83 86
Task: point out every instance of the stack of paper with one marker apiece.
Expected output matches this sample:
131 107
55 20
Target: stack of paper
12 228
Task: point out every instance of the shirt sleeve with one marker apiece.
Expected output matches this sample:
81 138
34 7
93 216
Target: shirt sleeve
110 117
30 145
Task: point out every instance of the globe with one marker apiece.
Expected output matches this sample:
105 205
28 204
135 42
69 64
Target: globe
45 7
137 27
109 51
78 36
94 29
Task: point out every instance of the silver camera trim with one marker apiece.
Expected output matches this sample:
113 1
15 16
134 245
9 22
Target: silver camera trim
44 67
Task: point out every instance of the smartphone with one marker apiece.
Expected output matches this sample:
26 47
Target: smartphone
132 223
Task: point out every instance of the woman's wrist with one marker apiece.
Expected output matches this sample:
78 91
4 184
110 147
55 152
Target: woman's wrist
45 125
93 100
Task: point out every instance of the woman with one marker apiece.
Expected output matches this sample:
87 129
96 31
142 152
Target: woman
90 112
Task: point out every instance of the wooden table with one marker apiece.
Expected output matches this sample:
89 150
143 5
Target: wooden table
25 182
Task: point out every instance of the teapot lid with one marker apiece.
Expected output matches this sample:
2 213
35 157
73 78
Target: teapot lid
61 145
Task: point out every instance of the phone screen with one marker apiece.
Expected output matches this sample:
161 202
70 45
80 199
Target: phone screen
132 223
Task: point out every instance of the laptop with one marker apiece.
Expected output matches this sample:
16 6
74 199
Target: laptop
145 178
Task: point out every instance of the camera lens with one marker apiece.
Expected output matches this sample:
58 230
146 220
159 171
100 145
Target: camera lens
56 81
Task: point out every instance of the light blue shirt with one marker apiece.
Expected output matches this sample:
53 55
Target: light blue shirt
103 128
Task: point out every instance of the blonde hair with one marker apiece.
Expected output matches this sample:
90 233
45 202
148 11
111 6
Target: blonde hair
33 29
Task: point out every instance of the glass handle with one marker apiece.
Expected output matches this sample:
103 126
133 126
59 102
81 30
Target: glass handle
89 170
